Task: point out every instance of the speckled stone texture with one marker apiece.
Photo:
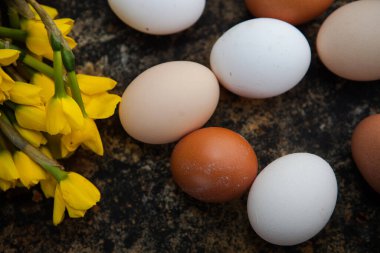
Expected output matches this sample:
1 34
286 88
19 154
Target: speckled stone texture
142 210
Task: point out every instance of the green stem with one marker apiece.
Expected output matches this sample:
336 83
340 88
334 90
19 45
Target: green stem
75 91
12 33
38 65
50 165
14 19
58 75
57 173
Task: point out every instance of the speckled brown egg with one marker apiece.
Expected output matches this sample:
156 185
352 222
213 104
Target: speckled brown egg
294 12
366 149
214 164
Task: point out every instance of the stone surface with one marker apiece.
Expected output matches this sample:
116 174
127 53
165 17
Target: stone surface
141 209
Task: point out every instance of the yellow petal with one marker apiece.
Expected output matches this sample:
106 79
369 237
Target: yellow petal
31 117
37 40
59 207
64 25
48 186
30 172
55 118
78 192
101 106
8 56
25 94
52 12
91 85
46 151
35 138
70 41
8 170
64 151
5 77
39 46
46 84
88 136
72 112
5 86
74 213
5 185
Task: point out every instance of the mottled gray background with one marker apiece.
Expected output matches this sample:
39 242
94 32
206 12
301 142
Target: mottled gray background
141 209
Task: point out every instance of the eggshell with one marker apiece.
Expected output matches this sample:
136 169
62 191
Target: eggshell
348 41
168 101
260 58
294 12
292 199
365 147
159 17
214 164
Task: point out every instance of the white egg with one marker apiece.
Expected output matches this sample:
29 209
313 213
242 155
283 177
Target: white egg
159 17
260 58
292 199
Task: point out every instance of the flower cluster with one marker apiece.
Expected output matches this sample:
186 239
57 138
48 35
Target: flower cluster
47 110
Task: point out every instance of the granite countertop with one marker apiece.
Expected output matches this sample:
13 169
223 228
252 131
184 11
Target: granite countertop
142 210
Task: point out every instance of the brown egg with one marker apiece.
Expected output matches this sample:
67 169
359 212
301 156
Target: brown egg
214 164
366 149
294 12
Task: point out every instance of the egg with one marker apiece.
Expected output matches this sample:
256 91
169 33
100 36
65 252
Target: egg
348 41
292 199
168 100
294 12
365 146
159 17
214 164
260 58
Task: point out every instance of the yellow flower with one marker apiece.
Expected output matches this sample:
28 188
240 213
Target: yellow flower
62 115
91 85
8 56
98 102
6 84
36 138
37 39
46 84
30 172
100 106
25 94
88 136
31 117
8 171
76 194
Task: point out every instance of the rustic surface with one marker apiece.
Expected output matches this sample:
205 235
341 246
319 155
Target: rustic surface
142 210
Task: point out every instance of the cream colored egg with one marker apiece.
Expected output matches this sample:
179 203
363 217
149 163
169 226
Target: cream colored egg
169 100
348 41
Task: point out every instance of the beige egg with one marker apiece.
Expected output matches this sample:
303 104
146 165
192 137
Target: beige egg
169 100
348 41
